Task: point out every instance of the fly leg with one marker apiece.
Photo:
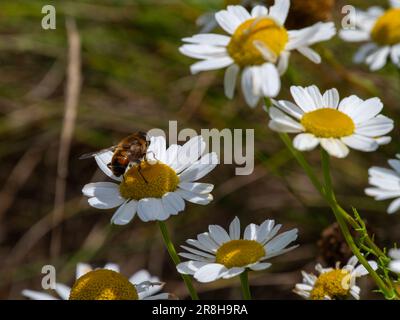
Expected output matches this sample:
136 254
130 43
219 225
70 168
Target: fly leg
141 174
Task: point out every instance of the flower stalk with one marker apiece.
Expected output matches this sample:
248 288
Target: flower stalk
244 280
175 258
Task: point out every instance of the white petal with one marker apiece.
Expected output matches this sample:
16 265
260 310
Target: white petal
331 98
205 240
173 203
303 99
199 168
190 267
361 271
377 60
103 195
196 187
63 291
210 272
335 147
395 3
305 142
250 233
211 64
375 127
199 253
285 122
367 110
248 87
82 269
260 266
361 143
395 266
394 206
281 241
218 234
363 52
150 209
189 153
211 39
227 21
172 156
259 11
125 213
203 51
240 12
230 79
112 266
202 199
354 35
234 229
271 81
36 295
280 10
233 272
289 108
283 62
310 54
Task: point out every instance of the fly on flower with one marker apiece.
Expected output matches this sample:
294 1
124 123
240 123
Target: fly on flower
259 45
130 150
171 176
381 30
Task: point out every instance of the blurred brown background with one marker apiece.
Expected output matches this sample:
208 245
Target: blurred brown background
133 77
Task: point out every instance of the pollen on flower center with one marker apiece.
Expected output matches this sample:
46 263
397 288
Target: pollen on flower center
334 284
253 37
386 30
328 123
148 181
239 253
103 284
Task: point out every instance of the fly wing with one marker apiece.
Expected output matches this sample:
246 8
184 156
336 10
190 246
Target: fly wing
92 154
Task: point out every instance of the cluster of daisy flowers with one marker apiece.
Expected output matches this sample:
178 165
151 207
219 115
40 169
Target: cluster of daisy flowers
258 46
380 29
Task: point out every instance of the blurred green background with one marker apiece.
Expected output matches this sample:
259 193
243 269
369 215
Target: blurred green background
134 78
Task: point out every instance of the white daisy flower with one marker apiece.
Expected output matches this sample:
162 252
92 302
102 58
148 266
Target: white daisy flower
207 21
170 180
386 184
218 254
258 44
105 284
336 125
394 265
333 284
381 30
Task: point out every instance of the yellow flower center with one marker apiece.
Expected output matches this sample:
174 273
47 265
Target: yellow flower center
253 38
386 30
328 123
334 284
239 253
148 181
103 284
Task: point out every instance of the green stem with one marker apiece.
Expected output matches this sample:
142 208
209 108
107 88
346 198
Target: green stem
343 226
175 258
244 280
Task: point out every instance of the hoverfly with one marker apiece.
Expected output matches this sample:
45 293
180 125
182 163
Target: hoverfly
130 150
